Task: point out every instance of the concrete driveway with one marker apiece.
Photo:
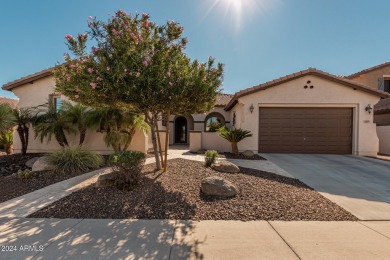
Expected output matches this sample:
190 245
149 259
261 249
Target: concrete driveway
358 184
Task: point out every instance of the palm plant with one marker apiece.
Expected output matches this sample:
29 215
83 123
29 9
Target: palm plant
47 122
119 126
23 120
234 136
77 115
7 118
6 139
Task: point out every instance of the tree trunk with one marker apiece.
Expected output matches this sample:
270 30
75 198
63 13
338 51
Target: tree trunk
166 143
149 120
26 132
22 138
159 141
235 147
83 133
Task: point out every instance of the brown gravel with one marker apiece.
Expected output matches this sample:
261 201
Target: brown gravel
176 195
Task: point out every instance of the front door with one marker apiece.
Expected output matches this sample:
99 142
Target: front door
181 130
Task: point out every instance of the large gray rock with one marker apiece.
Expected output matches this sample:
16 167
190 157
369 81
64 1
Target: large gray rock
248 153
42 165
217 186
106 179
31 162
225 166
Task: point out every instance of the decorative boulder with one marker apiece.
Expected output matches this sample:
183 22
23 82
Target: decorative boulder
31 162
217 186
248 153
105 179
225 166
41 165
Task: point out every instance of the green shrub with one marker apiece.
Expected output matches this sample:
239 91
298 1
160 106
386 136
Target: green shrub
70 160
214 126
26 174
128 166
210 157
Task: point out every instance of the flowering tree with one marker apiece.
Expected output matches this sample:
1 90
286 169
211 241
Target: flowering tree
138 65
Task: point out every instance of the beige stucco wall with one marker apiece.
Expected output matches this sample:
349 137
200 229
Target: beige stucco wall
371 78
324 94
31 95
384 139
211 141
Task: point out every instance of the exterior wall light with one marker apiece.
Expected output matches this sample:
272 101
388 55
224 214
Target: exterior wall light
369 108
251 108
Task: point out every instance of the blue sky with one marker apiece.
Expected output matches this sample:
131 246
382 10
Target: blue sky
267 39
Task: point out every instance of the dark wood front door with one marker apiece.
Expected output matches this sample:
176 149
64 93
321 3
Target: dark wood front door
305 130
181 130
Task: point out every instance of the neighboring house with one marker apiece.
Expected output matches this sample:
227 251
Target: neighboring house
378 77
10 101
306 112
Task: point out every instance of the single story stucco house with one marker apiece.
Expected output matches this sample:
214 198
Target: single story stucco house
310 111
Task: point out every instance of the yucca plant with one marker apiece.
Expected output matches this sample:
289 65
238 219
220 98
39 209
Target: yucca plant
7 118
70 160
234 136
6 139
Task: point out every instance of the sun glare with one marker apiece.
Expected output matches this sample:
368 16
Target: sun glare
236 11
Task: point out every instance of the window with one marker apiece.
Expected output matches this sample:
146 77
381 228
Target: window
56 101
384 84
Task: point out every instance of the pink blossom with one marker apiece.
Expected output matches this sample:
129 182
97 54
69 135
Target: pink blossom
108 68
67 78
90 17
115 32
170 84
168 73
98 78
144 15
76 96
69 37
90 70
137 74
145 63
93 85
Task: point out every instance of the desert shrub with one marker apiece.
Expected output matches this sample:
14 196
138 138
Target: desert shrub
214 126
210 157
128 166
26 174
234 136
70 160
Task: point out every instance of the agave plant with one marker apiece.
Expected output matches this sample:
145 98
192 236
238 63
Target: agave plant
234 136
7 118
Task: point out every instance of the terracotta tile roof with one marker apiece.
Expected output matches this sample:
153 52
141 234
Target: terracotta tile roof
368 70
309 71
383 106
30 78
222 99
12 102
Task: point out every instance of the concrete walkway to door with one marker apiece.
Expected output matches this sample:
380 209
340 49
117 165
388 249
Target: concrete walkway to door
358 184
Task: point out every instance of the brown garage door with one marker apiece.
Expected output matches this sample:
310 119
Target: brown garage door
305 130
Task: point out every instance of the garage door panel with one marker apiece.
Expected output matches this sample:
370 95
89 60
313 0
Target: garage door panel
305 130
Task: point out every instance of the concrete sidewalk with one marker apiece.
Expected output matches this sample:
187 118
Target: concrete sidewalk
170 239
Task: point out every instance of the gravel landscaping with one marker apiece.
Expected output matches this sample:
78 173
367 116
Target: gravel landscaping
10 164
176 195
12 186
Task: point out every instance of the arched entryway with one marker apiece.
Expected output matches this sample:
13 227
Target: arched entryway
181 130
